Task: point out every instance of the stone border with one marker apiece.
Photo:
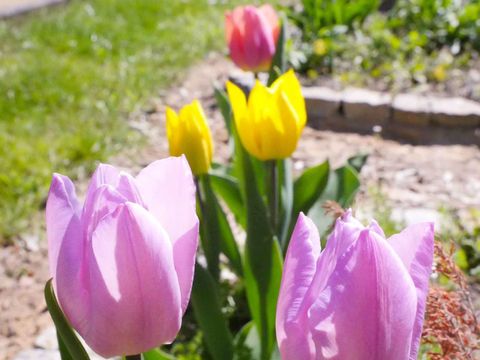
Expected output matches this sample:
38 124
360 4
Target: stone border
417 119
9 8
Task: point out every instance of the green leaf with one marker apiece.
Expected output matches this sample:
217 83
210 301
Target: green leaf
247 343
207 309
343 184
217 226
358 161
286 198
157 354
309 186
278 65
223 104
227 187
70 346
262 258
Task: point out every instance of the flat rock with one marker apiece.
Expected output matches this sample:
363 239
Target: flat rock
455 112
366 108
321 101
411 109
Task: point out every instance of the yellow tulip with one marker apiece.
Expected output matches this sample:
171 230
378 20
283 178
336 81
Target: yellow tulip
271 122
188 134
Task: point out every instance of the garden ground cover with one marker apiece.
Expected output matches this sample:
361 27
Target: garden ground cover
405 172
70 76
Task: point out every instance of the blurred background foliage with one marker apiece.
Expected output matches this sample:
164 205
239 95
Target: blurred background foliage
391 44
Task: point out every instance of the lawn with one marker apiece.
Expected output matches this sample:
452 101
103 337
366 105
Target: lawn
71 75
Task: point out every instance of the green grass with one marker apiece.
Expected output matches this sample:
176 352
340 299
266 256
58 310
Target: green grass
69 77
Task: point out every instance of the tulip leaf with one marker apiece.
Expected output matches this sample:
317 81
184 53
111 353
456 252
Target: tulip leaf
207 309
70 346
224 105
342 186
286 198
227 187
217 226
278 66
309 187
157 354
247 342
358 161
262 258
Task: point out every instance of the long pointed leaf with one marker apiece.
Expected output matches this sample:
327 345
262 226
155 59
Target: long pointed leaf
64 330
207 308
218 227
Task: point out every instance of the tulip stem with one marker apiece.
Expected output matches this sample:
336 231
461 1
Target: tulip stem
273 195
255 75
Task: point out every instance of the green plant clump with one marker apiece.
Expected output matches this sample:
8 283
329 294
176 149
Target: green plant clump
419 41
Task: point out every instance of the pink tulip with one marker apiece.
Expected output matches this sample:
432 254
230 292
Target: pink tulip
361 298
123 264
252 35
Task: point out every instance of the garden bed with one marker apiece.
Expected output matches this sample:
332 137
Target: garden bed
416 186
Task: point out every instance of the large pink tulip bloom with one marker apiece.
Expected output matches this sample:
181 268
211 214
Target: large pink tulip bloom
252 35
361 298
123 263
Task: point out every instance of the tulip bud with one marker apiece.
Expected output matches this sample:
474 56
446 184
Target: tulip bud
271 123
188 134
252 35
362 298
123 263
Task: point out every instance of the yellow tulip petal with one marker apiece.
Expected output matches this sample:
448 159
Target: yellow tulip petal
244 122
289 118
174 132
289 84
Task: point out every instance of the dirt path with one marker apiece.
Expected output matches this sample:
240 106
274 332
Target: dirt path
414 177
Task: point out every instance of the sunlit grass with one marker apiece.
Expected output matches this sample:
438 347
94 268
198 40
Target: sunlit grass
69 77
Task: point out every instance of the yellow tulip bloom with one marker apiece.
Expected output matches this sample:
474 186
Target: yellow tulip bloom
188 134
271 122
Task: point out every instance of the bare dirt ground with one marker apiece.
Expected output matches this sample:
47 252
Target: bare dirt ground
414 177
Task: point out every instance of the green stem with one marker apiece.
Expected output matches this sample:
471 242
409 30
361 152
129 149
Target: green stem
133 357
273 194
255 75
210 247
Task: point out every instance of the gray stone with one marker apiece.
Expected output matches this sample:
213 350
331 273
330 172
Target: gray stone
454 112
321 101
366 108
411 109
405 132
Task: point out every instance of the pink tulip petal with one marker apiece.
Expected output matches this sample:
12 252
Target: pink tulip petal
101 202
62 217
104 174
168 189
66 248
127 186
259 45
134 289
345 233
298 272
270 15
366 309
414 246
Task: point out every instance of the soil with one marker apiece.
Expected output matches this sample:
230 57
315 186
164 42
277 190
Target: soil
412 177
